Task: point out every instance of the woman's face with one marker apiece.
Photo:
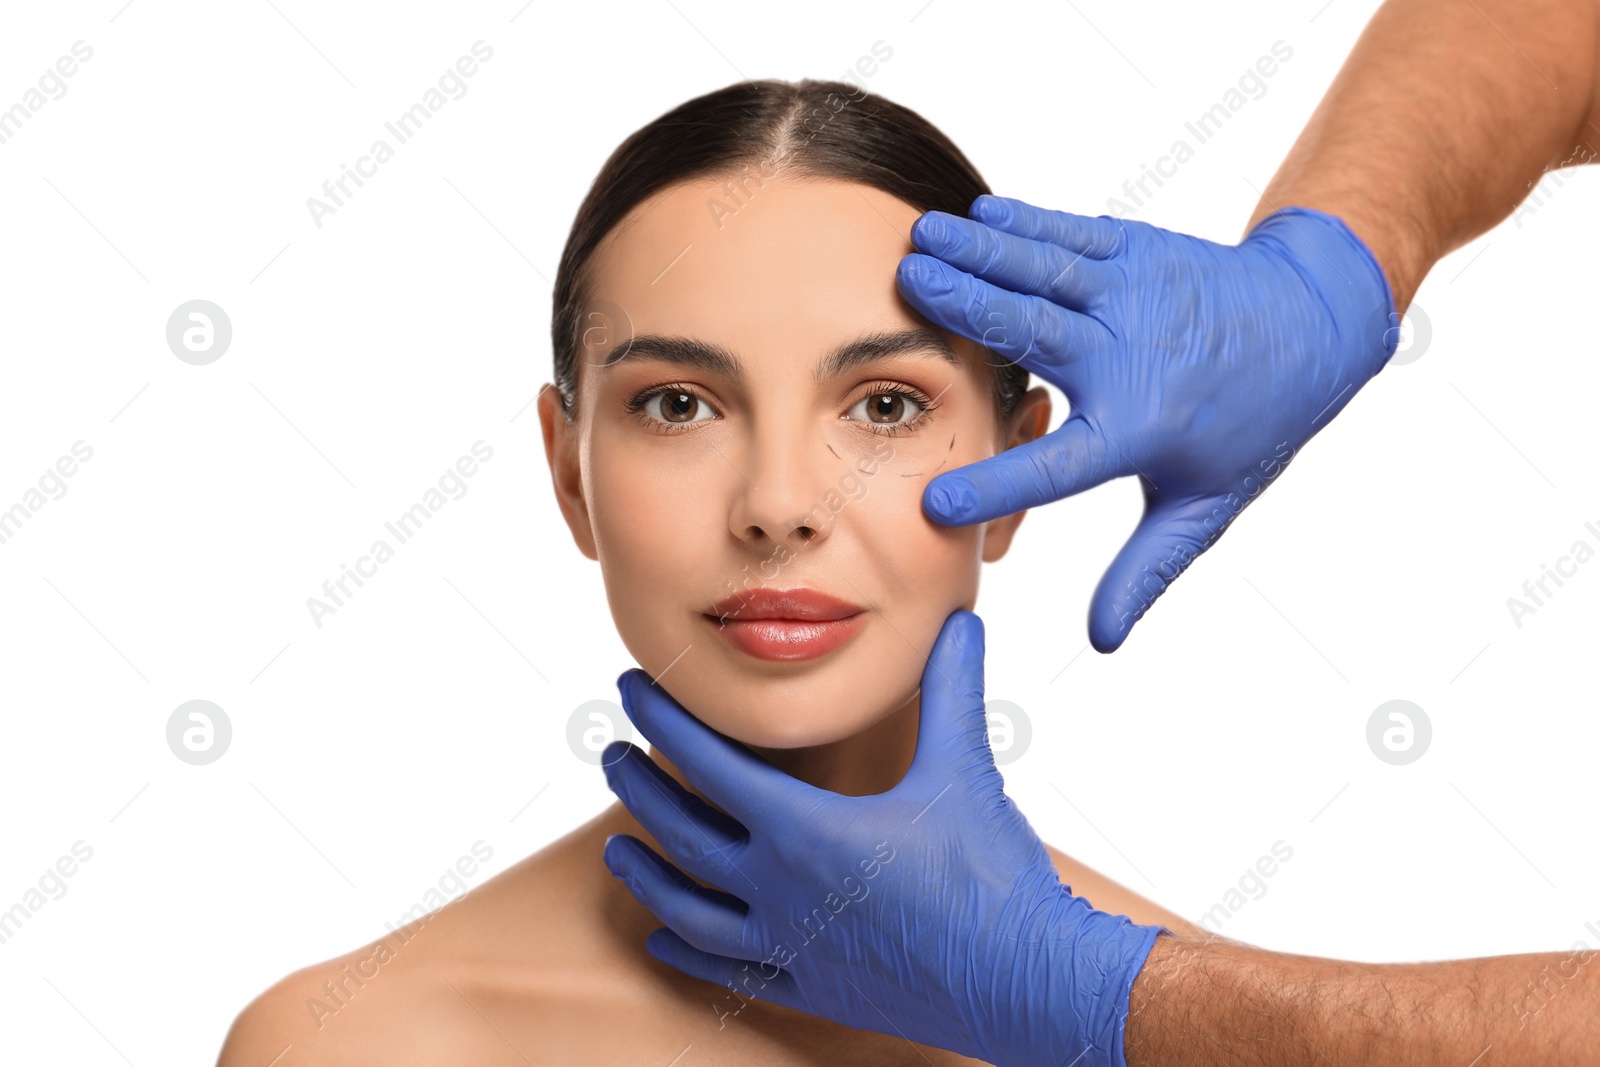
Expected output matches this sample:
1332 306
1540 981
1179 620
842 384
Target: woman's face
757 415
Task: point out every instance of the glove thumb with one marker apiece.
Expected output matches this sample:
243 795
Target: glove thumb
953 733
1167 539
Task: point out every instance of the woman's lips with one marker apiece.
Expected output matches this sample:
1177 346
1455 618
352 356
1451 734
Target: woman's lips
786 624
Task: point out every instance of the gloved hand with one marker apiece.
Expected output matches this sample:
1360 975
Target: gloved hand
931 910
1201 367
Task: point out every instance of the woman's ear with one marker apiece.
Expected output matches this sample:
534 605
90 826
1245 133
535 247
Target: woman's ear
1029 420
561 450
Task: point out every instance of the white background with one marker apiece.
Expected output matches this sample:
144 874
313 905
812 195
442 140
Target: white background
368 354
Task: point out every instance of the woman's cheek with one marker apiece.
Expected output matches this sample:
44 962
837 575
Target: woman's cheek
641 490
636 517
921 560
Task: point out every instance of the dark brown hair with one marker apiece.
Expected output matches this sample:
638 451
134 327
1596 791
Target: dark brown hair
822 129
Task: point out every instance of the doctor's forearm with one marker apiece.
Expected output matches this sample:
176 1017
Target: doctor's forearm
1203 1003
1441 121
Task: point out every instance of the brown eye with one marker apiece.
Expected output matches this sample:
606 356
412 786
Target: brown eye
892 408
677 408
890 411
886 407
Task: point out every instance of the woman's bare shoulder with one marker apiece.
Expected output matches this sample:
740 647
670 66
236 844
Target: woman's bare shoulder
1118 899
542 964
472 981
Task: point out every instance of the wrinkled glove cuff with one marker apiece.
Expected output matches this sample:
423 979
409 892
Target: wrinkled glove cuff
1343 271
1136 962
1078 1002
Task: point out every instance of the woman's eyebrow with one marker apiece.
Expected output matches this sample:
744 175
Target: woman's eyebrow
715 359
681 351
871 347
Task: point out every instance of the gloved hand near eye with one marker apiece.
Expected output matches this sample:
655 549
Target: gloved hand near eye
1198 366
933 905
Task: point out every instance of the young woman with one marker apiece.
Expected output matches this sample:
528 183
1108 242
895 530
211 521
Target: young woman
743 418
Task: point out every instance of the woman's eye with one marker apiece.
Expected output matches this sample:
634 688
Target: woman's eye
887 409
677 407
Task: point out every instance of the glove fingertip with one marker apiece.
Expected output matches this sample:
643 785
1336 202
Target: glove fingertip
930 230
617 855
991 210
627 688
1109 626
657 944
614 752
923 275
949 499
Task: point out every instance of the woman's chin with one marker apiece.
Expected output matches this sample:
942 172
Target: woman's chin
787 728
851 692
760 717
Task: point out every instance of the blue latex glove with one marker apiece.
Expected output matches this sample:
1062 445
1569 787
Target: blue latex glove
931 910
1201 367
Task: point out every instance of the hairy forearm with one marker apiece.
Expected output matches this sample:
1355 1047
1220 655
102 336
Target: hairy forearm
1202 1002
1441 120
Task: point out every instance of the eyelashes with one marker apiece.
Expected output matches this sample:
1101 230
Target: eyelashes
659 397
895 392
675 408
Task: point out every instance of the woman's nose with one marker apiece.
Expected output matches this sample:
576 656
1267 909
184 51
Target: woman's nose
781 490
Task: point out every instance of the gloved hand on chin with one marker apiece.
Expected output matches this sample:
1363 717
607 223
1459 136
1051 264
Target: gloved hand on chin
931 910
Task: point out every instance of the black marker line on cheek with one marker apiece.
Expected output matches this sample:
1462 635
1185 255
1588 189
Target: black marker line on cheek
918 474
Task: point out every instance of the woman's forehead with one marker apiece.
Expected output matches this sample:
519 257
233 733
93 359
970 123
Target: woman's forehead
745 259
